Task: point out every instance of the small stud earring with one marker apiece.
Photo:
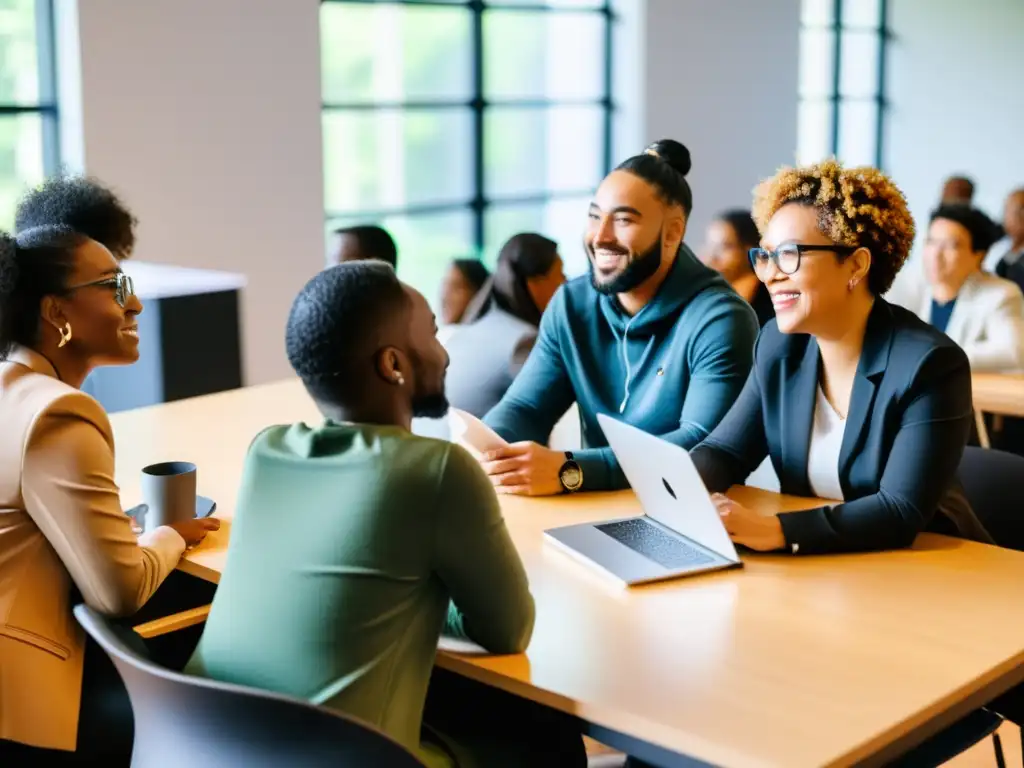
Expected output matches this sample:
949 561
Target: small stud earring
399 379
65 335
851 285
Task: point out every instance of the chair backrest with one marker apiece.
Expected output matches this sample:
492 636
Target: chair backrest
182 720
993 482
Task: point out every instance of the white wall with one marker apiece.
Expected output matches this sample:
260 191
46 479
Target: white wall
956 99
205 115
721 77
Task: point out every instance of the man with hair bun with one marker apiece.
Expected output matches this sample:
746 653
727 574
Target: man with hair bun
652 336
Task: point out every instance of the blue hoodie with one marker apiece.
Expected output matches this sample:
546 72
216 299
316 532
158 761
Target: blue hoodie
673 369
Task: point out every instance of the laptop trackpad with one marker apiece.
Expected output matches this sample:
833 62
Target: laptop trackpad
612 556
651 541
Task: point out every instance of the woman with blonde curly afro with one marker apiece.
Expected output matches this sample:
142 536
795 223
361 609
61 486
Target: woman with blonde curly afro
855 400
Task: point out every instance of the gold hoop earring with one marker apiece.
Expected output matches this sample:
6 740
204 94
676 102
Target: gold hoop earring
65 335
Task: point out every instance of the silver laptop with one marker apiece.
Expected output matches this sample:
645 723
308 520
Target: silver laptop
680 532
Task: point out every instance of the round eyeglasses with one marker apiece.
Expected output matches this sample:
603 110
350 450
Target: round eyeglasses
787 257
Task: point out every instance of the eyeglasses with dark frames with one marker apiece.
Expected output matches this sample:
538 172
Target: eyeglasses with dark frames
121 283
787 257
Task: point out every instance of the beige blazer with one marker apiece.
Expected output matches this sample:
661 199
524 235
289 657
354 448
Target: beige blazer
61 528
987 321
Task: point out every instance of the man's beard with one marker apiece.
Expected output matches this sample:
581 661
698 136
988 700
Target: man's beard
636 272
430 406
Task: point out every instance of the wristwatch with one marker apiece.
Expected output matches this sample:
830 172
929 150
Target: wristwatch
570 475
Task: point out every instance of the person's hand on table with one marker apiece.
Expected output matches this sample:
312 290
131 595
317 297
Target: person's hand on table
194 531
745 526
524 469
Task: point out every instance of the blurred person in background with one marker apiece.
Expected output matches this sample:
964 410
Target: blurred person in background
957 190
982 313
1004 258
361 243
726 249
500 325
462 282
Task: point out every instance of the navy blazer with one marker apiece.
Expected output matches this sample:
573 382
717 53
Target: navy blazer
909 419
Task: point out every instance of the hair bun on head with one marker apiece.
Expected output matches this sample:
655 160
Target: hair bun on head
673 153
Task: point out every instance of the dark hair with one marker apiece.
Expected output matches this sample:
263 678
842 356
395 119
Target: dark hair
374 242
664 165
524 256
963 181
83 204
473 272
984 232
743 225
332 323
35 264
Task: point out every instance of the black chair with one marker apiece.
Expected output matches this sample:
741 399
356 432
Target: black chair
994 485
199 723
957 738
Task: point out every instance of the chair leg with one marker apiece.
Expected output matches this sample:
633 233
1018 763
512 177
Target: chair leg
998 744
979 423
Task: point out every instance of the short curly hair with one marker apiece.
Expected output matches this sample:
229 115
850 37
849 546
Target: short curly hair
859 207
332 323
85 205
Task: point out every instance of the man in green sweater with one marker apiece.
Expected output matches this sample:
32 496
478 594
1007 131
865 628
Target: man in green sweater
355 542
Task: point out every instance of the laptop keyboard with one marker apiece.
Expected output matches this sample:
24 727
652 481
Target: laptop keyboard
654 544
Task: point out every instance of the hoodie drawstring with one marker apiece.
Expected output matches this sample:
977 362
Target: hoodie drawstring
625 360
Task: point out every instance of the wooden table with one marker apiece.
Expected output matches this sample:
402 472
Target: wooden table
1001 394
789 661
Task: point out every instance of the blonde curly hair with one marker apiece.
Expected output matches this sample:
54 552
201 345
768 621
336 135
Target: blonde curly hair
859 207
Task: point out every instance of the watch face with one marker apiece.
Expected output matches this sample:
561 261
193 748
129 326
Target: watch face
572 478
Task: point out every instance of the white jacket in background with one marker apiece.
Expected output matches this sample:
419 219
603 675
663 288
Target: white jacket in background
987 321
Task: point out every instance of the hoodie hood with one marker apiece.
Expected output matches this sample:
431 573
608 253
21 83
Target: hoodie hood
687 278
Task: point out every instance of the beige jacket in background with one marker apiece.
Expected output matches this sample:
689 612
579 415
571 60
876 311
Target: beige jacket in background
61 527
987 321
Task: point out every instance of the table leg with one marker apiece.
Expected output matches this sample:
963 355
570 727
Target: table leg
979 423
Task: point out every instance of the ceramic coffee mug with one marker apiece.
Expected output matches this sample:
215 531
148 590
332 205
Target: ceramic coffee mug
169 492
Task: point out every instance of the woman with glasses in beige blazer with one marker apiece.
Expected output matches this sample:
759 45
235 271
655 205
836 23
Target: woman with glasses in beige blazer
65 308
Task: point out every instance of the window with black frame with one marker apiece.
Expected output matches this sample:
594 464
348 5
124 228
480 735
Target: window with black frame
455 125
842 81
28 109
